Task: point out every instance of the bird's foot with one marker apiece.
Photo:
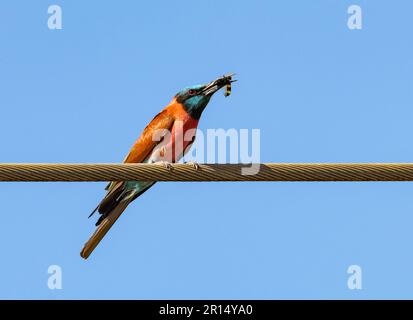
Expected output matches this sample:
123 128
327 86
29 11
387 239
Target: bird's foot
194 164
167 165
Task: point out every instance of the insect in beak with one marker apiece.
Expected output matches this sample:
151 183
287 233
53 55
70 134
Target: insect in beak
214 86
228 86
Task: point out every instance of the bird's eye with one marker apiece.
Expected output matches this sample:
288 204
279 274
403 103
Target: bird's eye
191 92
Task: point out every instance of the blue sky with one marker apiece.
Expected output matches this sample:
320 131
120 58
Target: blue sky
318 92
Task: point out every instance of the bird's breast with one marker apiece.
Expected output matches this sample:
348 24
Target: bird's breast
177 141
183 135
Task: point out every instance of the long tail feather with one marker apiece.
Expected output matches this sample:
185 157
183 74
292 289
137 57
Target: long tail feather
103 228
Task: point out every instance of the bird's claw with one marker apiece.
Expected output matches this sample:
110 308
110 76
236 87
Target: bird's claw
194 164
167 165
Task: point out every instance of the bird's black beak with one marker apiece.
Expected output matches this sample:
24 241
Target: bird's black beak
217 84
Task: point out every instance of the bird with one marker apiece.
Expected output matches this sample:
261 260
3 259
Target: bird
165 140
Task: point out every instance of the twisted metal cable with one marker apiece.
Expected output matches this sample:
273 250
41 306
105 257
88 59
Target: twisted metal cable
208 172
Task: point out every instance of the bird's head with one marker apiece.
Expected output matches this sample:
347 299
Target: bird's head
196 98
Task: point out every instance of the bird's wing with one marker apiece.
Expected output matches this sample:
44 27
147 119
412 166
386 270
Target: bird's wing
143 147
145 144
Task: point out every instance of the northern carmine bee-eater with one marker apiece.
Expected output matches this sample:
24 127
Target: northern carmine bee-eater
164 140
